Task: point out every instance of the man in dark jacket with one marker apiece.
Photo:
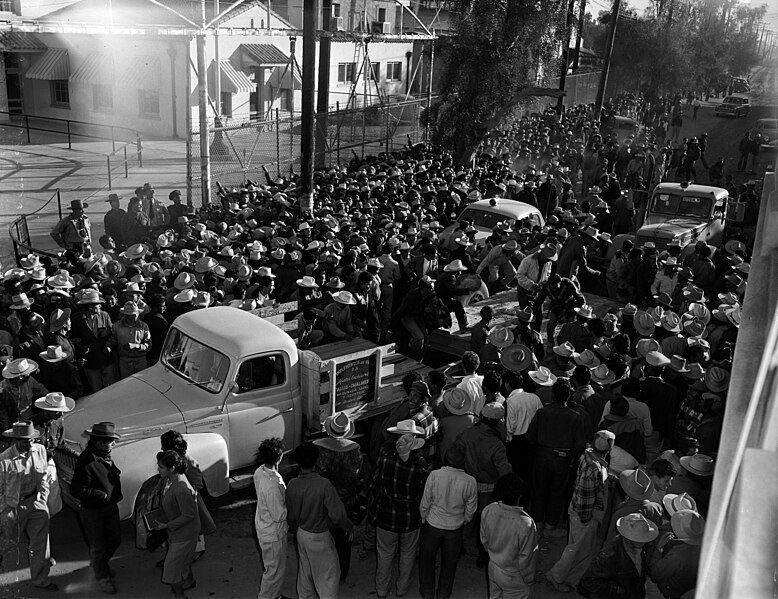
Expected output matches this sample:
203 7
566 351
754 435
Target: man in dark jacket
92 330
97 486
448 290
113 221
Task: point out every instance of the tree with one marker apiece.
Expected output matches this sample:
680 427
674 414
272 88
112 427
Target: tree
499 50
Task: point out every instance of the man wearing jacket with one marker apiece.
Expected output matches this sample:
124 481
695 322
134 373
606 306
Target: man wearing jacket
97 486
92 327
24 490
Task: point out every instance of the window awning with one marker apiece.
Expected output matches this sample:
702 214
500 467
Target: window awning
20 41
263 55
143 72
232 80
52 65
97 68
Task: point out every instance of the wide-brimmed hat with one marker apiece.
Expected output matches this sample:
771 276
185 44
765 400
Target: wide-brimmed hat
637 528
636 484
205 264
517 358
30 262
22 430
678 363
586 358
454 266
184 296
406 444
457 401
58 319
78 205
404 427
103 430
676 502
130 308
688 526
339 426
542 376
20 302
602 375
90 296
699 464
19 367
184 280
699 311
265 271
565 350
307 282
643 323
202 299
500 337
696 372
663 299
671 321
644 346
344 297
717 379
628 310
53 354
550 251
135 252
733 246
657 359
55 402
590 232
585 312
525 314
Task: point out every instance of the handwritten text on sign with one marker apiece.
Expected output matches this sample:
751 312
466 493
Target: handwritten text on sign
355 382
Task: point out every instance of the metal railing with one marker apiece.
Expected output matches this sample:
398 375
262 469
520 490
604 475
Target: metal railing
20 233
120 159
69 129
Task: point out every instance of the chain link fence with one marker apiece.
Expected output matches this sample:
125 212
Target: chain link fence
240 151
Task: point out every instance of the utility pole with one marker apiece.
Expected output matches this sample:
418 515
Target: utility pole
429 89
323 98
217 83
565 56
608 54
202 111
309 75
579 37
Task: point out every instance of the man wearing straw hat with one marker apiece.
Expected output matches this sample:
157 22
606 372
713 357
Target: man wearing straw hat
92 327
24 491
17 392
676 556
73 231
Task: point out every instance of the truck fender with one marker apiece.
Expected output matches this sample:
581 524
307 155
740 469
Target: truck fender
210 451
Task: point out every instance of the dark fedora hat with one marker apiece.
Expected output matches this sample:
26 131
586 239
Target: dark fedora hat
78 205
105 430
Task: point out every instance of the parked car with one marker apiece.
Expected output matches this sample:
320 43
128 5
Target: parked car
768 130
734 106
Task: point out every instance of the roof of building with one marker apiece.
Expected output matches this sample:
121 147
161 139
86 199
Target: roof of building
265 54
141 12
20 41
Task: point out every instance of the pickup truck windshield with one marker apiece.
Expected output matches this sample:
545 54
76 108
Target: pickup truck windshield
677 205
198 363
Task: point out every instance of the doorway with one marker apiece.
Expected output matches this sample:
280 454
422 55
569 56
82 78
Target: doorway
13 83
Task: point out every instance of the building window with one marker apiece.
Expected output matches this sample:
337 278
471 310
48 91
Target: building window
335 9
148 100
394 71
102 98
60 93
376 70
286 100
382 15
346 72
6 6
226 104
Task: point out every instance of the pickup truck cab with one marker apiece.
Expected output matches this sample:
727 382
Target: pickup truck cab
227 379
486 214
734 106
689 213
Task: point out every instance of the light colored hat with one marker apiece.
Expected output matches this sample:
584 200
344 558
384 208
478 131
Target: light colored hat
344 297
699 464
61 280
406 444
636 484
457 401
688 526
404 427
671 321
585 312
135 251
55 402
90 296
53 354
644 346
637 528
30 262
586 358
644 323
699 311
205 264
264 271
542 376
500 337
307 282
455 266
493 411
657 358
339 426
676 502
566 350
130 308
602 375
184 296
604 440
184 280
375 263
19 367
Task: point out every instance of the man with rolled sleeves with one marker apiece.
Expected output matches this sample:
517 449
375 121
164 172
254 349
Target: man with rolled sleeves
24 491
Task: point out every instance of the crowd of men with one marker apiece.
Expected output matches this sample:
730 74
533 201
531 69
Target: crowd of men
605 432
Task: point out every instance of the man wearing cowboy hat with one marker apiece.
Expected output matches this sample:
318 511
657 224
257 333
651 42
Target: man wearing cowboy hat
74 231
92 328
59 371
338 318
131 340
572 256
18 390
449 291
637 491
135 224
112 221
499 262
24 491
676 556
96 484
532 275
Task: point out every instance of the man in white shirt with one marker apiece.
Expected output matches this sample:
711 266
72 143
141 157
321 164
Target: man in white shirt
520 408
630 389
449 502
472 383
270 518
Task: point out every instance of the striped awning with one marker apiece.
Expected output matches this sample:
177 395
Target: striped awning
97 68
143 72
264 55
52 65
20 41
232 80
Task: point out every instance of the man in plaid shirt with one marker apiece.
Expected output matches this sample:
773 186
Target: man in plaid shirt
421 413
393 508
586 513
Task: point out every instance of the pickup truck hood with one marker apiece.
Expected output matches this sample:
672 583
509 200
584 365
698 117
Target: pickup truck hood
670 228
137 407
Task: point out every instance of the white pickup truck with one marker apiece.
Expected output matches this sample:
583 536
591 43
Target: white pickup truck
228 379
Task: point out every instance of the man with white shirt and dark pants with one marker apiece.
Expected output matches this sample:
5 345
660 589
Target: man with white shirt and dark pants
472 382
630 389
449 502
520 408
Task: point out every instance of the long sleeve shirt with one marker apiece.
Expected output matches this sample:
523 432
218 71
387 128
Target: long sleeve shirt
510 537
179 503
312 503
531 273
472 384
131 340
21 475
664 283
674 568
395 492
337 322
520 408
638 410
71 231
450 498
270 515
500 266
590 487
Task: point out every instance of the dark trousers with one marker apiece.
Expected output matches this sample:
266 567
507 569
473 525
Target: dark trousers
343 547
103 535
449 543
549 476
455 306
484 499
521 454
742 161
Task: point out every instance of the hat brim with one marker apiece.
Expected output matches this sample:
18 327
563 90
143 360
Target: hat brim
582 314
129 312
9 434
550 382
466 408
650 535
7 374
606 381
457 269
44 355
510 359
401 431
301 283
347 434
89 433
342 303
643 331
686 463
70 403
